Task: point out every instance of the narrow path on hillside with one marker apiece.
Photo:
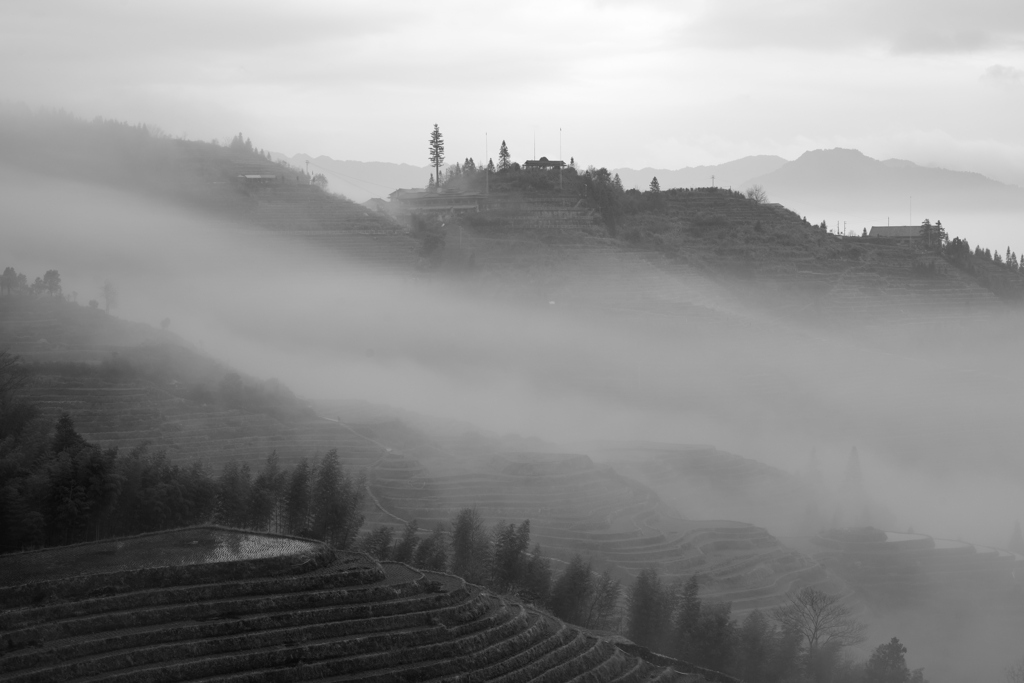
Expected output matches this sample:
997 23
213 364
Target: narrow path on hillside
384 452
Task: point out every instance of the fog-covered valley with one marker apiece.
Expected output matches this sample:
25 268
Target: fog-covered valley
929 408
662 342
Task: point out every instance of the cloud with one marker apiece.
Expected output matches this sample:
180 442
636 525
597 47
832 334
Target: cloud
1002 74
916 26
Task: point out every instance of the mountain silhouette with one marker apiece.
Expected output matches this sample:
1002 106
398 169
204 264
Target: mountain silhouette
849 181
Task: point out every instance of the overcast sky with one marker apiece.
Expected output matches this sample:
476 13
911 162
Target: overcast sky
663 84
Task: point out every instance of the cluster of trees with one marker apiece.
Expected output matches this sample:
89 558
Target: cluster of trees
501 559
13 282
316 499
958 251
240 144
803 640
57 488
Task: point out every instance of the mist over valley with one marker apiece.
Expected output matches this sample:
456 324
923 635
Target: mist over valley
702 394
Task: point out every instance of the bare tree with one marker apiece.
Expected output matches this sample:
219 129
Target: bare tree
757 194
822 619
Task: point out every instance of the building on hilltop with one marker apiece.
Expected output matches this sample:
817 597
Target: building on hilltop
259 178
542 164
909 234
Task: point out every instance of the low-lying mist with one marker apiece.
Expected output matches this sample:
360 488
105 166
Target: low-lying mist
935 421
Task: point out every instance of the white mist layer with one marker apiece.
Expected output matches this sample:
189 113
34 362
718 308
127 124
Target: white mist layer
936 425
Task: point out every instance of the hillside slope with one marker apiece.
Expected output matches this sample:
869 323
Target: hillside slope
236 606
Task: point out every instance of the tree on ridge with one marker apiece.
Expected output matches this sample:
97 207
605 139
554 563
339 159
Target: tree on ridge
504 158
436 153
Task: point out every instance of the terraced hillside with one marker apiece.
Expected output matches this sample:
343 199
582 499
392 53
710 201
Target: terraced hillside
230 606
798 269
128 413
704 482
141 385
47 329
575 506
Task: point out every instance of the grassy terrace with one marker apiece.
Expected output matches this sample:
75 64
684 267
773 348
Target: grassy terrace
576 507
274 608
127 413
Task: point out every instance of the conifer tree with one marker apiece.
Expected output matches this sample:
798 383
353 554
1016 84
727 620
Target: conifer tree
569 594
888 664
536 582
471 549
436 152
297 508
687 619
655 185
504 158
335 503
377 543
406 547
650 611
432 552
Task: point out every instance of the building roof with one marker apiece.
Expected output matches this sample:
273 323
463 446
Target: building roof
895 231
543 162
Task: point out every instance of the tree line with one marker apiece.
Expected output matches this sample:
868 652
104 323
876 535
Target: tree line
802 640
501 558
58 488
14 283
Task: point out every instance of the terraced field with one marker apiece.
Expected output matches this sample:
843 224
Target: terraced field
575 506
47 329
126 414
309 614
704 482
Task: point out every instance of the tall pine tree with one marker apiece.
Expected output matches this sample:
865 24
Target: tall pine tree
504 158
436 152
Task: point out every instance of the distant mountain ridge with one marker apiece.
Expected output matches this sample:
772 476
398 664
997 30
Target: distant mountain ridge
732 174
361 180
846 180
830 180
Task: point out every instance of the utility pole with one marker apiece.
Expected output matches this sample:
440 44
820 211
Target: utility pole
307 169
712 181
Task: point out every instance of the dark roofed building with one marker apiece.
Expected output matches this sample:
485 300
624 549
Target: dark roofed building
542 164
900 233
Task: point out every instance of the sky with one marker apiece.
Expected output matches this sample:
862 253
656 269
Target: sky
629 84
